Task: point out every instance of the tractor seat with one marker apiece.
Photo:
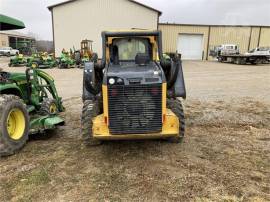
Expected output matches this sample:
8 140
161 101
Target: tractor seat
142 59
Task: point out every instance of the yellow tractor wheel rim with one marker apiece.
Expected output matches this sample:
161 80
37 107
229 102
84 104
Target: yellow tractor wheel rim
34 66
16 124
53 108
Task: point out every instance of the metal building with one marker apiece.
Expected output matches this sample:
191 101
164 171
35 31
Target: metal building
16 40
195 41
75 20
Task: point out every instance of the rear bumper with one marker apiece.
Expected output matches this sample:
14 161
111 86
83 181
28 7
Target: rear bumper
170 128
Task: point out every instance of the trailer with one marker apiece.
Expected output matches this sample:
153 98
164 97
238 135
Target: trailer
241 59
230 53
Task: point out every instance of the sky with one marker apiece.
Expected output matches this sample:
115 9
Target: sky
37 17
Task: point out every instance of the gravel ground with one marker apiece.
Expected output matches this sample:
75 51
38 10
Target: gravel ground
225 155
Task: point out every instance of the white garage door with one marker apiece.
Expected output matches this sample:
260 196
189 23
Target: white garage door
190 46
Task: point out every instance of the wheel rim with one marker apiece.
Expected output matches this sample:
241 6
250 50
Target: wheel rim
53 108
16 124
34 65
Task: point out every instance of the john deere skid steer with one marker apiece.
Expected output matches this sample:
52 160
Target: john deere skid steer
29 102
132 93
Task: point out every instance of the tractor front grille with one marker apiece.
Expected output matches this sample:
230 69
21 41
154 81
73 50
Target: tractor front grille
135 109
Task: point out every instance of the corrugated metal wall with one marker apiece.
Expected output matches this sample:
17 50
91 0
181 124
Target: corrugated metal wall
171 32
245 36
254 40
86 19
265 37
230 35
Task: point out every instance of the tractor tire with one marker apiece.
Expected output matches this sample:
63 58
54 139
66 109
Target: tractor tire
14 124
48 107
90 110
177 108
61 66
220 59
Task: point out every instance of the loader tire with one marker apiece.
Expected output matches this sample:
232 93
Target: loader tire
48 107
14 124
91 109
177 108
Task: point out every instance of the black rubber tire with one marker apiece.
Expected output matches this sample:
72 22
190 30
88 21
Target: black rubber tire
177 108
91 109
9 146
62 66
45 107
238 61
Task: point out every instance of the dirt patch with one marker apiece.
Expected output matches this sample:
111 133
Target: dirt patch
225 157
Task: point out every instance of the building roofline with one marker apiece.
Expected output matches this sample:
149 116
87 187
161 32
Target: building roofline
214 25
19 35
59 4
143 5
148 7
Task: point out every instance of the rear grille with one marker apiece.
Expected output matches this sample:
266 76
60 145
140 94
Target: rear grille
135 109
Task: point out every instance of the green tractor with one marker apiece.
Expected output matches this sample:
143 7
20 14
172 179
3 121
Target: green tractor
66 61
29 102
42 61
17 60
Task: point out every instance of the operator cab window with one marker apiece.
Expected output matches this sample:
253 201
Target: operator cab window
127 49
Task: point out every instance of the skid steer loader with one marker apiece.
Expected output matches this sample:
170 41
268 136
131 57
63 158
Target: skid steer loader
132 92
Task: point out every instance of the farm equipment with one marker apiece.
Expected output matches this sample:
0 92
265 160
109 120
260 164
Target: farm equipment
18 60
29 103
132 93
86 53
42 61
66 61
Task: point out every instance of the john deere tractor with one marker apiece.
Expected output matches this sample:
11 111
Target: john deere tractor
42 61
133 92
29 102
17 60
66 61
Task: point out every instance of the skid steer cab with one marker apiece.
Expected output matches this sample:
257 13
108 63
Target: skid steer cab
132 92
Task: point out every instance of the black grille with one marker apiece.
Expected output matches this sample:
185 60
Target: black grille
135 109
